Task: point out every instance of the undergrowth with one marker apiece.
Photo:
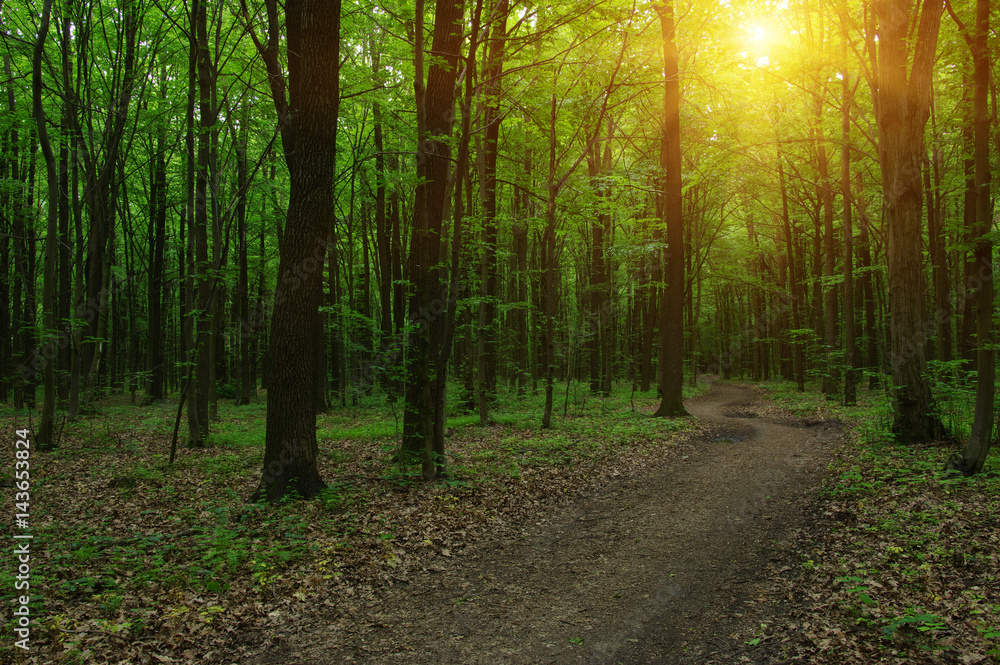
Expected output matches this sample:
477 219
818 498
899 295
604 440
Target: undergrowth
133 556
903 564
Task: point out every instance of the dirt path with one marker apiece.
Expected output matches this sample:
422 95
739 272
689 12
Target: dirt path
670 567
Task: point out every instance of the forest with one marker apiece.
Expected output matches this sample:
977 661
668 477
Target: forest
262 259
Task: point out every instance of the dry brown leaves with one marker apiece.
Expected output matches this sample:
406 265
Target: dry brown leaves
135 561
900 563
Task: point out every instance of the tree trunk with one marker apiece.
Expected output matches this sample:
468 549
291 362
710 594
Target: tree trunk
903 110
383 241
435 115
868 292
521 278
966 341
44 433
491 117
672 307
598 318
309 140
824 194
247 382
101 165
65 290
978 444
6 364
157 223
548 277
937 240
850 343
18 368
647 303
794 290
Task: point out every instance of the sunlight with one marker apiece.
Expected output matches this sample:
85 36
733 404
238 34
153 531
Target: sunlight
759 35
759 40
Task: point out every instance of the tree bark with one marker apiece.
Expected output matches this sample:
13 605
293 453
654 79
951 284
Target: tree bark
6 364
903 110
202 265
824 191
672 307
435 116
548 277
794 289
486 352
850 330
247 381
966 341
157 222
44 433
978 444
309 140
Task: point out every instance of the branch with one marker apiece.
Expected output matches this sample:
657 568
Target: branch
958 22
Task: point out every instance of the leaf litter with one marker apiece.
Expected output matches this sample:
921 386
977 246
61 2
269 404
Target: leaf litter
893 561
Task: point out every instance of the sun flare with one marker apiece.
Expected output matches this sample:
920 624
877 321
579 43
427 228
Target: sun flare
759 35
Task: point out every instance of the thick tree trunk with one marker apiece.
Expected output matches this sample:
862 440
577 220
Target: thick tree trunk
672 307
978 444
491 118
903 110
309 141
435 116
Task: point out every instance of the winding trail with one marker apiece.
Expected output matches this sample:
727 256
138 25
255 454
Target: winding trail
669 567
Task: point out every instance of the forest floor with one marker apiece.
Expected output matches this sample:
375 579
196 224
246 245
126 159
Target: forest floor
673 563
773 527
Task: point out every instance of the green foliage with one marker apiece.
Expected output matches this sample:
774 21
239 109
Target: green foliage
922 622
911 564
